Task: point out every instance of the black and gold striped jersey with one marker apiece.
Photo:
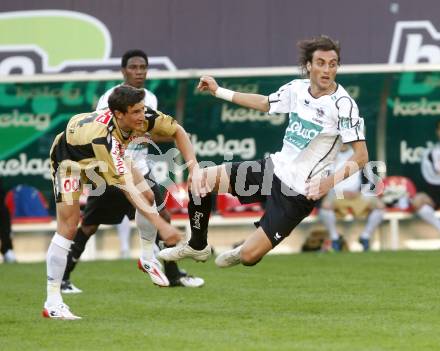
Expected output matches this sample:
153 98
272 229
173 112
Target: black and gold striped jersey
96 136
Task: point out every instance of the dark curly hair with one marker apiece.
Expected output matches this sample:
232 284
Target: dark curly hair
308 46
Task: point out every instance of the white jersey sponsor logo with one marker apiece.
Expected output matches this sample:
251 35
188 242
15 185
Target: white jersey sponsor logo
301 132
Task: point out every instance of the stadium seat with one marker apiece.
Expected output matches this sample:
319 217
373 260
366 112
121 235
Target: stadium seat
229 206
26 204
395 189
176 200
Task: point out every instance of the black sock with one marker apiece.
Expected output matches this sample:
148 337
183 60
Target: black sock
199 218
171 269
76 249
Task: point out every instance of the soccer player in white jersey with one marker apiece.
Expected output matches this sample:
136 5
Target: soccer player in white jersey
322 116
112 207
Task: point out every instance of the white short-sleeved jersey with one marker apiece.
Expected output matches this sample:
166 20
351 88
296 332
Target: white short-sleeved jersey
137 152
316 129
150 99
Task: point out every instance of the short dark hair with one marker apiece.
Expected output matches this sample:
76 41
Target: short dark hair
123 97
133 53
308 46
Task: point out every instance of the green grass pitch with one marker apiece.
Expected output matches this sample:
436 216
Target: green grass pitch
373 301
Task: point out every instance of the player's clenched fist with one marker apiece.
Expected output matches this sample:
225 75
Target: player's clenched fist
207 83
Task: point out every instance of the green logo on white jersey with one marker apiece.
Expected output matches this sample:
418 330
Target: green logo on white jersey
301 132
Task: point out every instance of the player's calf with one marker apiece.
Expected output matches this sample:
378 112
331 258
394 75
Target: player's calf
249 258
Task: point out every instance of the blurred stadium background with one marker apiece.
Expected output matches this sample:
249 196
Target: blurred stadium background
57 61
58 57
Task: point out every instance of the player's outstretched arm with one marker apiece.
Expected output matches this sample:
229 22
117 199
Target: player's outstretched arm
255 101
166 126
185 147
196 177
354 164
139 193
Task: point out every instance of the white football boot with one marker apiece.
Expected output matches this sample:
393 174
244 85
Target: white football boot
154 270
229 258
60 311
188 281
67 287
183 251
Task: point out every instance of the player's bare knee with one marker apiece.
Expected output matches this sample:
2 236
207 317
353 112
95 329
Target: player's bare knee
68 230
379 205
421 199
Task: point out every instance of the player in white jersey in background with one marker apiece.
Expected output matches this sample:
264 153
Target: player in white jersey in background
113 208
134 68
346 198
321 116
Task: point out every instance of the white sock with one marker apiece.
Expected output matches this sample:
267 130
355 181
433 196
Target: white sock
427 213
124 234
9 256
147 235
328 217
56 261
373 221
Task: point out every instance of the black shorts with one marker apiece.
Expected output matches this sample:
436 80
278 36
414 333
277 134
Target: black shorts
255 181
112 206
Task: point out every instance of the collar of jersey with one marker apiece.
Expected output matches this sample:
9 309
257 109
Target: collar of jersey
310 93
